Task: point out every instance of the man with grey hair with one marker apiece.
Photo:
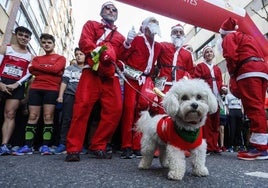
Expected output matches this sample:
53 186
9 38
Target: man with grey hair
101 43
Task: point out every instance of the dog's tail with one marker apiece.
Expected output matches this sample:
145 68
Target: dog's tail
142 121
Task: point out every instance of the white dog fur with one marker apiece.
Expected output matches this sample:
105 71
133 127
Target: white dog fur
187 103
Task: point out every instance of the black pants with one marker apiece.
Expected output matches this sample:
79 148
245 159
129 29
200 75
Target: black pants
235 127
67 111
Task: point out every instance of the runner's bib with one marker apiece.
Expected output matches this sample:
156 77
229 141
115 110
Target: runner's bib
13 70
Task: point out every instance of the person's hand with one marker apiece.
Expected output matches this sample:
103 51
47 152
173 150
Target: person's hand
108 55
11 87
60 99
4 88
105 57
131 35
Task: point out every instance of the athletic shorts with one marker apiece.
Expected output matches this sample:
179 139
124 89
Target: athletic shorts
223 120
17 93
38 97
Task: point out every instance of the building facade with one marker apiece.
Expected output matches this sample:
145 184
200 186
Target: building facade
40 16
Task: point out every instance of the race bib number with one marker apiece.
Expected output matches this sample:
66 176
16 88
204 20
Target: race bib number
75 76
132 73
13 70
235 102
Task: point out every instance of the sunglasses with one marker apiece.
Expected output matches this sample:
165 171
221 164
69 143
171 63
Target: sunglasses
23 35
177 32
110 8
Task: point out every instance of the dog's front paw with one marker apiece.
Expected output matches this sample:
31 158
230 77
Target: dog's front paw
201 171
175 175
144 165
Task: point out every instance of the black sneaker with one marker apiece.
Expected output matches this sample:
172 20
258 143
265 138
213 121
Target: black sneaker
137 154
72 157
100 154
109 148
209 152
127 154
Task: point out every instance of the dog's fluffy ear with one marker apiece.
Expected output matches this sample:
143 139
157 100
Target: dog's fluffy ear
170 104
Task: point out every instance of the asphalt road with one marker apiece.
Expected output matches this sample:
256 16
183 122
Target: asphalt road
226 171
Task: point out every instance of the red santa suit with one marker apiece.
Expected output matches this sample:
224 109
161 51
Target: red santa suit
183 140
174 64
141 56
245 63
101 85
213 76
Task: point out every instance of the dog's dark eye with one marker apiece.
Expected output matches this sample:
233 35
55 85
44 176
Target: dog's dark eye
184 98
198 97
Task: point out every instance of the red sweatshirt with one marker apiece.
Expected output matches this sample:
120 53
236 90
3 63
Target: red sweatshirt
48 70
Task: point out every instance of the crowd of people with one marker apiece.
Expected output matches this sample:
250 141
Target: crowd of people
83 105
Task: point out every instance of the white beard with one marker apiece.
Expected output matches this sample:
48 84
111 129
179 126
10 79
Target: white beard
178 42
154 29
109 18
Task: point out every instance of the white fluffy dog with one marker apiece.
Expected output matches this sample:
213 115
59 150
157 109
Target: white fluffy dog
187 104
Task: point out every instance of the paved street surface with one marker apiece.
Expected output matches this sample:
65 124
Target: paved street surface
51 171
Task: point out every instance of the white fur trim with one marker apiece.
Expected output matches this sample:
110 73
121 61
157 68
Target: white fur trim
1 58
259 138
107 3
177 28
224 32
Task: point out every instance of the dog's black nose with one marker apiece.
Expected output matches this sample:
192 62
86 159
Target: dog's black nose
194 105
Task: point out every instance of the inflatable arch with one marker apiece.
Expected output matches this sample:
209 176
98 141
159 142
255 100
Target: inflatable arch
207 14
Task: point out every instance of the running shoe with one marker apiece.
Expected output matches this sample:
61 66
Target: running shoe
252 154
127 153
137 154
45 150
73 157
61 149
4 150
25 150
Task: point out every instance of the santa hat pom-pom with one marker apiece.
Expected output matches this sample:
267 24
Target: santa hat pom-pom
236 27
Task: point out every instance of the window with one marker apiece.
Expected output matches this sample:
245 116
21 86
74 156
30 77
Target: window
211 42
197 29
5 4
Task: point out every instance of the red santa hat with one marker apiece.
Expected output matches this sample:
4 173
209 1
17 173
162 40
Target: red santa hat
205 49
228 26
106 4
177 27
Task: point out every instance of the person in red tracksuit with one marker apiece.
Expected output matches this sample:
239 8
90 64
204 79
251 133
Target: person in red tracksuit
249 72
140 57
98 82
213 76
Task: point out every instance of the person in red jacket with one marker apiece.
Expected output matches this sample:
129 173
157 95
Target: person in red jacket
101 43
140 57
249 72
47 71
212 74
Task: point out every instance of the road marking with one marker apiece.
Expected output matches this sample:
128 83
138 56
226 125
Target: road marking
258 174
